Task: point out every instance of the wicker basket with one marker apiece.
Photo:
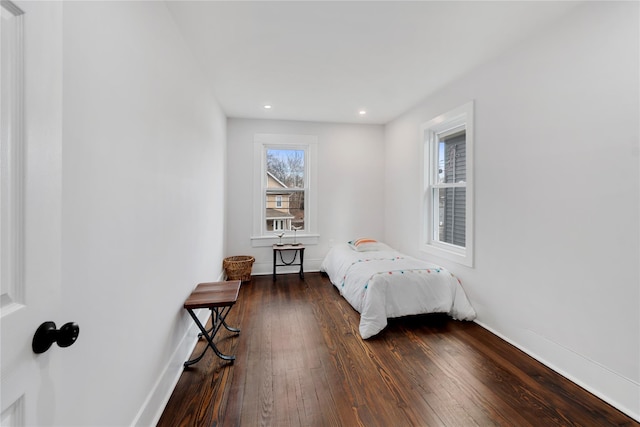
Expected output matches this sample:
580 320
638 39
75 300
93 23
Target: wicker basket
238 267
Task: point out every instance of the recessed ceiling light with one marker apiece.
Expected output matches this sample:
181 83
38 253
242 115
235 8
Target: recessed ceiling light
362 112
267 107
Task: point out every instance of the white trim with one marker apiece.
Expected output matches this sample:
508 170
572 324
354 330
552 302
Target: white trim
437 128
264 241
11 7
623 391
12 175
151 410
308 143
157 399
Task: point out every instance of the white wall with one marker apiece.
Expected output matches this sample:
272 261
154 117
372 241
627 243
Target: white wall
143 209
557 196
350 185
144 217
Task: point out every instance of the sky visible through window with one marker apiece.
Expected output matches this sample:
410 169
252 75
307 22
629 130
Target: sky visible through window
285 205
283 154
287 166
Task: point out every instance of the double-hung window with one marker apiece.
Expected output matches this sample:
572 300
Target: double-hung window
448 185
284 196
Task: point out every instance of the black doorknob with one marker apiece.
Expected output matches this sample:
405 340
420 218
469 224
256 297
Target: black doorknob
47 334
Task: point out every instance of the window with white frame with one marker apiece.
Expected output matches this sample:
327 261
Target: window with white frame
448 185
284 196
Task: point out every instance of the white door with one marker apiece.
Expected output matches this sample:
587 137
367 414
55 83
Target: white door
30 210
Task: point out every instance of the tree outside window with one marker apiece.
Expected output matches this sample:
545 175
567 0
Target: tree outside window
285 191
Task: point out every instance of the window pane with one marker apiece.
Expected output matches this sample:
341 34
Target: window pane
285 190
451 215
286 167
284 210
452 159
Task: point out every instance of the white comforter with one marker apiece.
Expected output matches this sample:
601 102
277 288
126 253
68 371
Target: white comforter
385 284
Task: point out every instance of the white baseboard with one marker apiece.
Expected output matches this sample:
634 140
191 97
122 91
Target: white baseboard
154 404
613 388
618 391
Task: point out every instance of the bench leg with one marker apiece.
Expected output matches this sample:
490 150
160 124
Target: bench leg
217 320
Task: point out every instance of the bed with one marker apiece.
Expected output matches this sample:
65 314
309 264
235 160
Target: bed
380 283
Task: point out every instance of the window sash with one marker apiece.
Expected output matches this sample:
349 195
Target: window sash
448 209
449 185
434 239
449 215
291 210
261 235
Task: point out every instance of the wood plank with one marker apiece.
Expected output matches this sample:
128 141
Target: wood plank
300 361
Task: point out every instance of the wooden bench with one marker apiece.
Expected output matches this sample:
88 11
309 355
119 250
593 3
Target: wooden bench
219 297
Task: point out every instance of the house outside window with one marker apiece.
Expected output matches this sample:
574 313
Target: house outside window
278 214
449 192
284 192
447 213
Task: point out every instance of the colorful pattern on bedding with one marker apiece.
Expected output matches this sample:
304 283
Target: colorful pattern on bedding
368 260
388 284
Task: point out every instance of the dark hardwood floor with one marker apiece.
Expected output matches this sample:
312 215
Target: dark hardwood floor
301 362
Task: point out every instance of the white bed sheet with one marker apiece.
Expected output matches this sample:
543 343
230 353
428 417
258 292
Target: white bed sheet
386 284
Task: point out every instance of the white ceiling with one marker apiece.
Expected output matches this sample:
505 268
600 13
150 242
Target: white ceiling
326 60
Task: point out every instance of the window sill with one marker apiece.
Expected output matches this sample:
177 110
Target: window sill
264 241
460 256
